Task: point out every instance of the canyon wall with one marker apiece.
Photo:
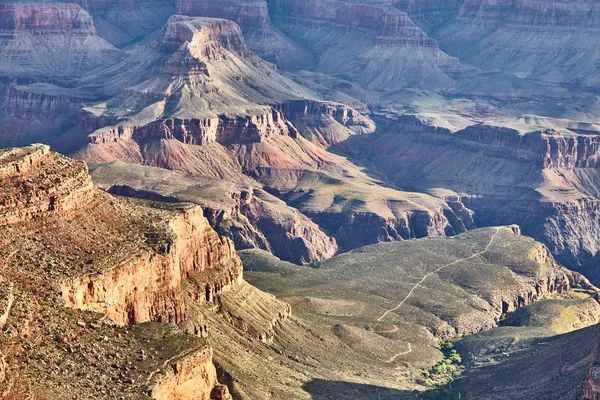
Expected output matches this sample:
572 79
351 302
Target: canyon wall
253 17
41 18
46 40
132 261
545 180
530 15
41 192
147 287
221 129
190 377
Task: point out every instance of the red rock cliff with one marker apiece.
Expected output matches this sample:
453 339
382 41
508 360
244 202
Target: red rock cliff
147 285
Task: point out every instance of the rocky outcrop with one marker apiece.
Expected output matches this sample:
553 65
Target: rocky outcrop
221 129
397 29
530 39
254 313
361 229
132 261
372 44
147 287
550 148
317 121
125 22
47 183
393 27
335 13
291 235
429 13
543 180
206 42
22 103
191 377
591 385
530 15
248 14
253 16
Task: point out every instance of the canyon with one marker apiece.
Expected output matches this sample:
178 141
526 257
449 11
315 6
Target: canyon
189 188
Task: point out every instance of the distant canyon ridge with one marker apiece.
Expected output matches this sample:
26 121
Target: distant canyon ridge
309 128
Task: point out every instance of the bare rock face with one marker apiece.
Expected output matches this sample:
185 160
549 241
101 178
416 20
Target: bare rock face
48 40
325 123
591 386
124 22
198 249
47 183
186 371
375 44
204 91
221 129
128 261
253 17
545 180
534 39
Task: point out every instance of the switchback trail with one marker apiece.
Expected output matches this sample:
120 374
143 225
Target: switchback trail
385 314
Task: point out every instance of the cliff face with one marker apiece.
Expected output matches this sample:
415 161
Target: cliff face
325 123
248 14
45 40
125 260
47 183
204 88
591 386
373 44
253 17
530 15
21 103
46 18
546 180
551 149
181 381
148 287
530 38
221 129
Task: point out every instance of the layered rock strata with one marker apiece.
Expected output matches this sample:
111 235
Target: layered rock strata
46 40
125 260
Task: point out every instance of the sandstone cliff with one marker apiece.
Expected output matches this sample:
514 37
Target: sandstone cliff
97 255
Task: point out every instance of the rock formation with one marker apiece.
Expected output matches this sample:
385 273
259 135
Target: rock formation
45 41
543 180
128 262
253 17
372 43
533 39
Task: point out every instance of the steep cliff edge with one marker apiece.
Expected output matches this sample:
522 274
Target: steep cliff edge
66 244
200 84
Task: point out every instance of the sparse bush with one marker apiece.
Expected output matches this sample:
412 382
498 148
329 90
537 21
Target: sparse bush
454 357
446 345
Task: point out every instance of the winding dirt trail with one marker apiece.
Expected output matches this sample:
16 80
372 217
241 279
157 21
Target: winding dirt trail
385 314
